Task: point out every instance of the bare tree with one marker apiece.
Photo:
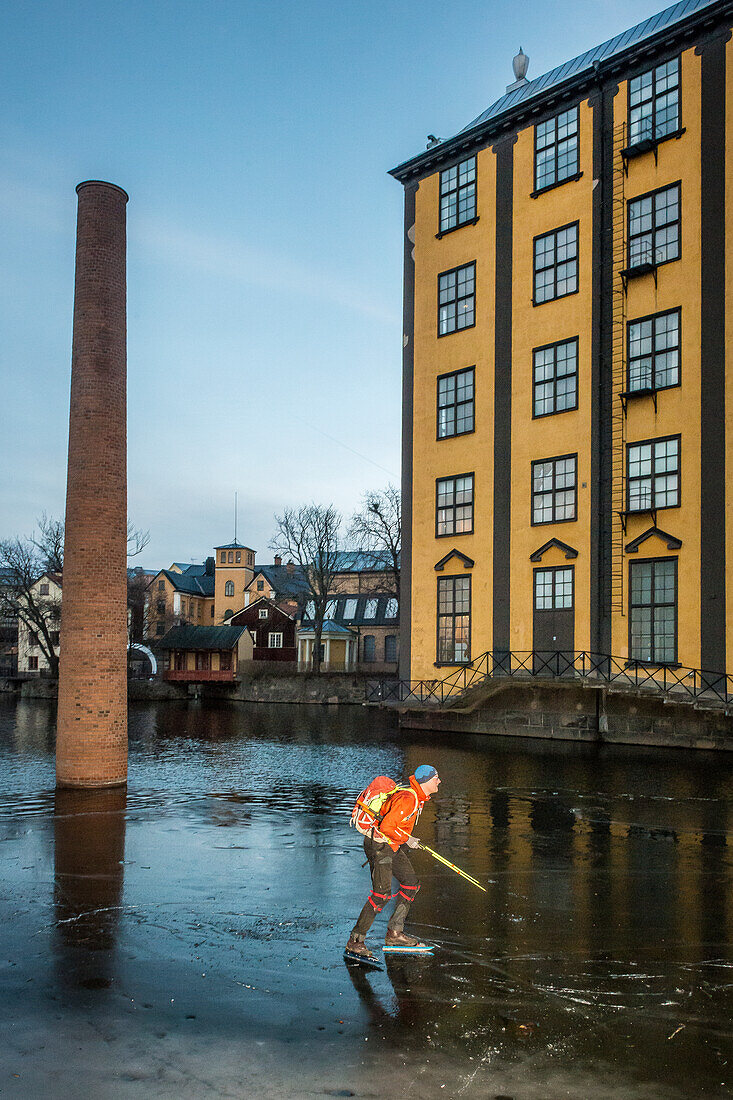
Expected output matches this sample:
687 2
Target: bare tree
21 565
309 537
377 527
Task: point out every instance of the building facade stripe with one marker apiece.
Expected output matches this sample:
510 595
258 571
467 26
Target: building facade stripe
408 371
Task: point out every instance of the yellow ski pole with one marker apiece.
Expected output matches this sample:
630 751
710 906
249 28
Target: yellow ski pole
430 851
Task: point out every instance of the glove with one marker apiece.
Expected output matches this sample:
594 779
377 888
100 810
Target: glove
412 842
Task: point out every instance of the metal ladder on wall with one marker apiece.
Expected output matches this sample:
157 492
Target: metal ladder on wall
618 373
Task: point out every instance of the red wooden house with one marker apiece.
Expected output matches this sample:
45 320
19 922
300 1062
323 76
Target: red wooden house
272 626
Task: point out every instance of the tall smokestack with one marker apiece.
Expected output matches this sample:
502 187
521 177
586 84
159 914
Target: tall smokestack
91 744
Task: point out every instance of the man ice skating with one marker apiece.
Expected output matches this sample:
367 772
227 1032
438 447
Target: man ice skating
386 846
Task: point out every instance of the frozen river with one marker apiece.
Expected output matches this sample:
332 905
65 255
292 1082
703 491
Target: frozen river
184 938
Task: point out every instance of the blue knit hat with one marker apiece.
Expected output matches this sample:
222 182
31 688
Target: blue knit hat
424 773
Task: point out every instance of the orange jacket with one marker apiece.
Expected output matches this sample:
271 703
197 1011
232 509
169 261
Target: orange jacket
402 811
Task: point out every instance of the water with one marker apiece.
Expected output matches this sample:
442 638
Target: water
184 938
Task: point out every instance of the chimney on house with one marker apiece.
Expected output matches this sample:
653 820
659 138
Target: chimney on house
209 567
278 560
290 568
91 741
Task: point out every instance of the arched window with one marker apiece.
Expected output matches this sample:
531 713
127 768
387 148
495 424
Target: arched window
239 555
231 555
370 647
228 613
223 557
390 648
229 588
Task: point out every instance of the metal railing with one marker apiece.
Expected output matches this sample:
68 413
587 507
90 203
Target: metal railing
673 682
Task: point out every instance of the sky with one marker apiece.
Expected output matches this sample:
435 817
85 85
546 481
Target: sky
264 234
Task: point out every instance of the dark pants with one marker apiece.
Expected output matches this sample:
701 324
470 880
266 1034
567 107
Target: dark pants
384 864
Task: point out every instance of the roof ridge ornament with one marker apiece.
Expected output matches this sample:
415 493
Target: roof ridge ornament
520 64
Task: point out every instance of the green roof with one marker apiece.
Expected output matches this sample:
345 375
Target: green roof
202 637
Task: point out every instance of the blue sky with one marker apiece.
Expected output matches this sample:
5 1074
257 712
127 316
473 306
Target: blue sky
264 234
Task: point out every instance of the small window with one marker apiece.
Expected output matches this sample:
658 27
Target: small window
264 613
370 648
654 228
32 664
250 559
275 641
654 352
32 637
44 590
350 609
223 557
556 149
454 505
556 264
554 489
654 103
654 474
390 648
458 195
392 608
160 628
555 378
455 403
653 611
160 607
212 611
229 588
553 589
370 609
238 556
161 584
310 610
456 299
231 556
331 609
260 586
228 613
454 620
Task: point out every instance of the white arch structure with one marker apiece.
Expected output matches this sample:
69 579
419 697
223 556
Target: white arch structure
148 653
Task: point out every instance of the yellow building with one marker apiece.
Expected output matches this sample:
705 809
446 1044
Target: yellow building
234 571
566 444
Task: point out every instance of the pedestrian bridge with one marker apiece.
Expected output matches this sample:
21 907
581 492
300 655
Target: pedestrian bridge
468 687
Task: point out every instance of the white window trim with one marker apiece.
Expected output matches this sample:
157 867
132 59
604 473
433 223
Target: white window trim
278 644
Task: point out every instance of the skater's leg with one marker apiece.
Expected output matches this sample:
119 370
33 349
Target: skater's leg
380 862
403 871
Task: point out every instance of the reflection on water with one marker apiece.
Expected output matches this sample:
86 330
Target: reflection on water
602 945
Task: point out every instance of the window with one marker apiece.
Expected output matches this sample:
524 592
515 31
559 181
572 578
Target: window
264 613
653 611
32 664
238 556
654 474
455 403
369 651
212 611
160 628
225 660
556 264
310 610
228 613
231 555
654 352
556 149
553 589
160 607
392 608
229 588
260 586
454 620
654 103
458 195
223 557
390 648
350 609
161 584
370 609
454 505
555 378
554 489
654 227
43 590
331 609
32 637
275 641
456 299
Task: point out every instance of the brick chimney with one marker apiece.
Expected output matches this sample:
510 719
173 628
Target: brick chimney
278 560
290 568
91 743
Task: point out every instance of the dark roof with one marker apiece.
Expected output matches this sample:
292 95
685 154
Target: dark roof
584 64
359 618
202 637
363 561
284 583
189 583
233 546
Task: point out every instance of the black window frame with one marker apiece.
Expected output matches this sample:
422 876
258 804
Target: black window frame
535 383
556 145
568 519
371 658
458 191
654 318
554 265
439 662
458 298
554 569
653 506
653 263
454 478
388 658
649 140
455 404
652 662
